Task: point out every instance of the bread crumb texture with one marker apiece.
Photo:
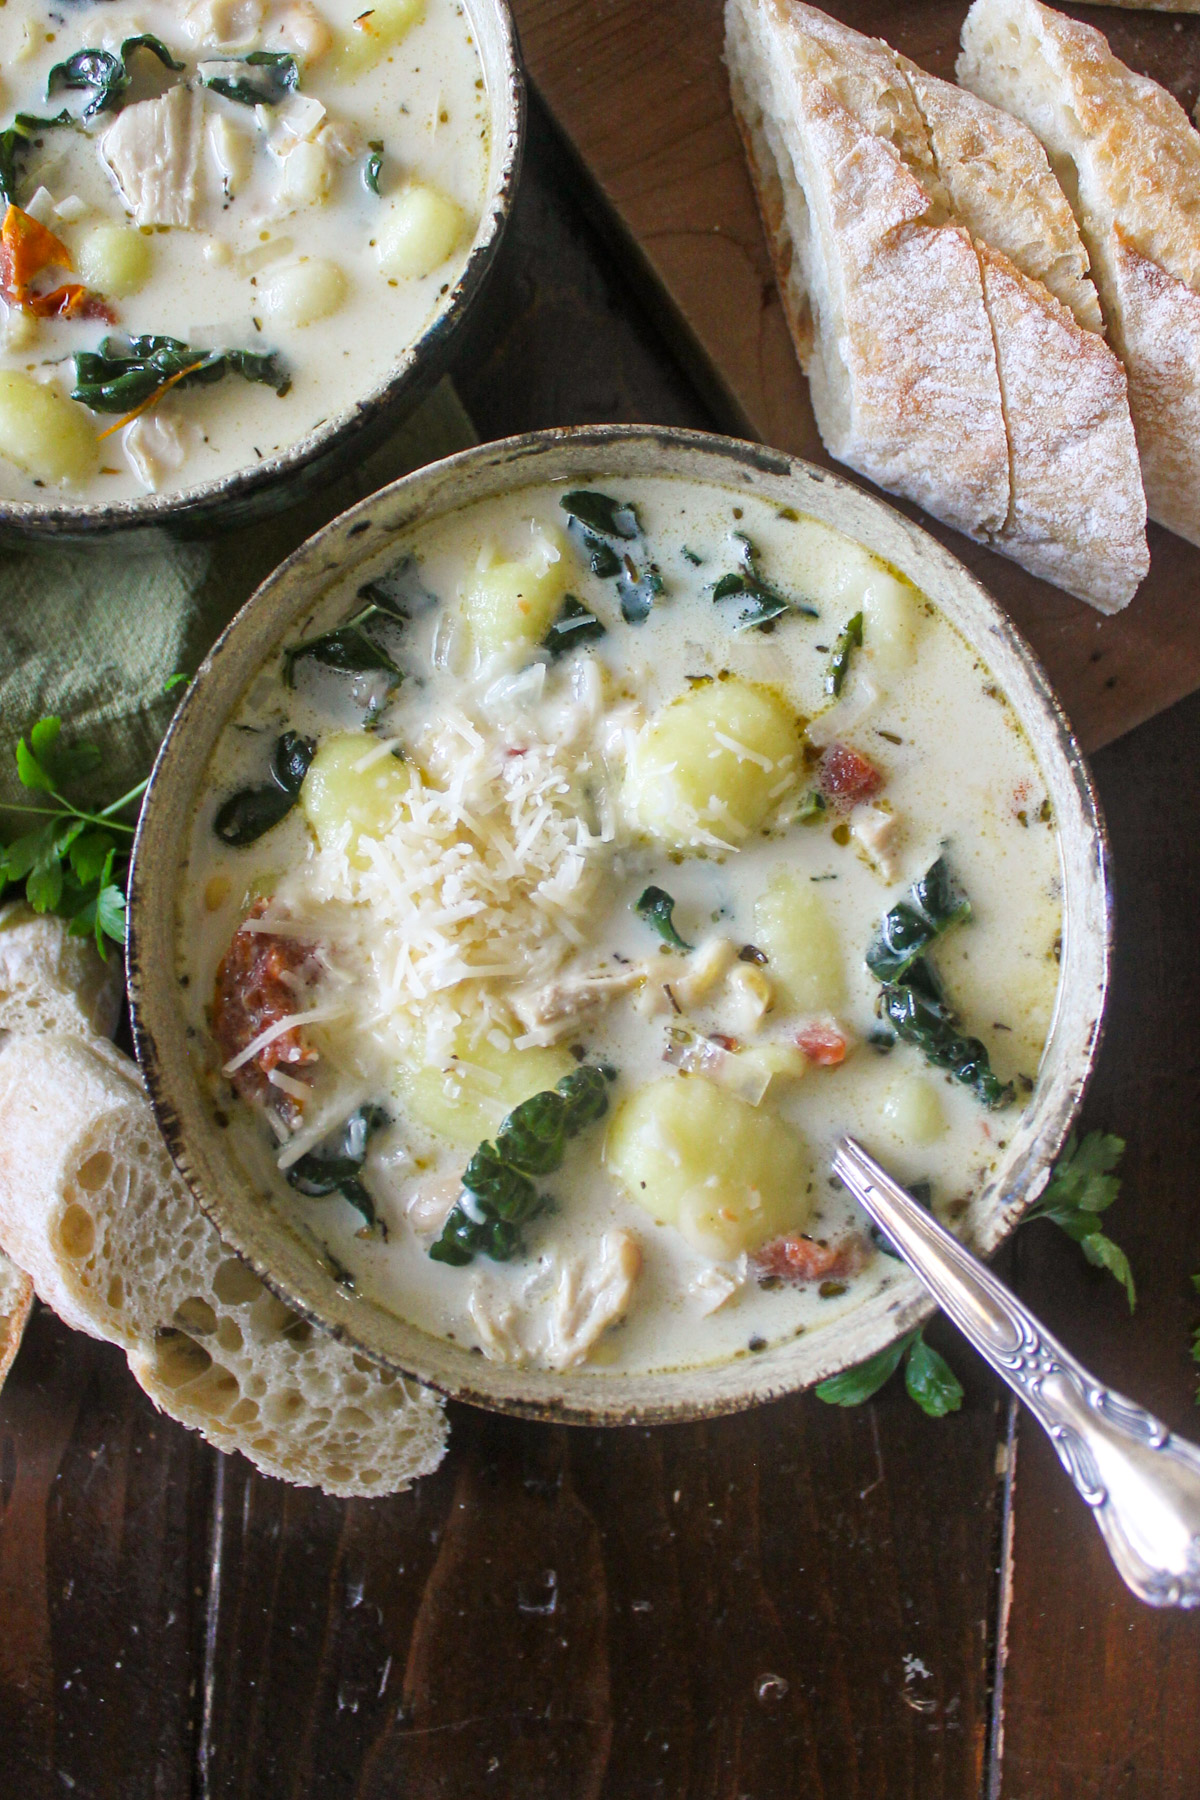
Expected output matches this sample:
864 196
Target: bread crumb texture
92 1207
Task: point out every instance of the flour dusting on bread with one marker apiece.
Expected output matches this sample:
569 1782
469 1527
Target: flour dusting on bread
1129 159
938 293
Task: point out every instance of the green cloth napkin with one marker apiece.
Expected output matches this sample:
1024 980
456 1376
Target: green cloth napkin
91 634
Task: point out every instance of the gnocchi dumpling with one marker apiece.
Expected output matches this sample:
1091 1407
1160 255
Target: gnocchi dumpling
727 1175
348 782
374 32
44 433
301 292
712 765
466 1098
891 620
913 1111
793 927
116 260
421 229
515 601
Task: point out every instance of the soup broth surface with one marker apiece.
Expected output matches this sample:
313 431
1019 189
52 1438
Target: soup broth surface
620 802
302 190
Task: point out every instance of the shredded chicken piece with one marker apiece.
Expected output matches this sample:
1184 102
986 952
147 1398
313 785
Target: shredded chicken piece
716 1285
153 152
559 1329
704 968
551 1012
751 995
157 444
878 833
430 1205
591 1297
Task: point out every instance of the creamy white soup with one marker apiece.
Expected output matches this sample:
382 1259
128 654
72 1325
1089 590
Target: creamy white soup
223 224
566 888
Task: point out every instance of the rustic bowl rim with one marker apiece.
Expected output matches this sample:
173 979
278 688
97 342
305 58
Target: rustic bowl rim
410 376
193 1138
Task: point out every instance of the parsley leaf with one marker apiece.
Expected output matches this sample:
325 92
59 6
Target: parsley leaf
1083 1186
928 1378
930 1381
852 1386
75 862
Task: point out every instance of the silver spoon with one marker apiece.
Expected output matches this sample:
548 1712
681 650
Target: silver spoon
1140 1480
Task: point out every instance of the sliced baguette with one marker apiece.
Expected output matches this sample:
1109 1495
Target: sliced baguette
16 1304
865 262
50 981
93 1208
47 980
1129 159
923 248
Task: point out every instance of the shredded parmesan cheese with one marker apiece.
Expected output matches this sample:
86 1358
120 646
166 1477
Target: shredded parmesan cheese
485 877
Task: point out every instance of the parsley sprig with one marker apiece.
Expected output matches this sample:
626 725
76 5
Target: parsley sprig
928 1377
1083 1186
76 861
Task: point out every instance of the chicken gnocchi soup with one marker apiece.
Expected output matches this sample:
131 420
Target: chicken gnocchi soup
223 223
566 888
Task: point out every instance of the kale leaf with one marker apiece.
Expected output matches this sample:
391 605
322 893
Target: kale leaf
575 624
934 903
849 640
334 1167
499 1195
656 906
918 1012
15 140
391 600
767 603
609 533
120 376
263 78
246 815
912 1001
105 76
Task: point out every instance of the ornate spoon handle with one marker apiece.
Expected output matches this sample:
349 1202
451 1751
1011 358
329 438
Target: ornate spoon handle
1142 1482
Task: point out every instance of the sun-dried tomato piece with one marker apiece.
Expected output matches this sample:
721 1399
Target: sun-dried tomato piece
846 777
799 1258
252 992
823 1042
71 301
26 249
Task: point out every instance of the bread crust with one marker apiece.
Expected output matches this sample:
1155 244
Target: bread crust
1161 326
1067 411
16 1304
1166 6
93 1208
1002 188
888 399
51 981
941 366
1131 159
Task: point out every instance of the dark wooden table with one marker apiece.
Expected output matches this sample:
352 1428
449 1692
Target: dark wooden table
799 1602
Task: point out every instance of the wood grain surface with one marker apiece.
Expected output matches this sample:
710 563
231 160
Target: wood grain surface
639 90
796 1604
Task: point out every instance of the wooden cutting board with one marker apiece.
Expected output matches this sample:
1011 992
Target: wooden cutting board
639 89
